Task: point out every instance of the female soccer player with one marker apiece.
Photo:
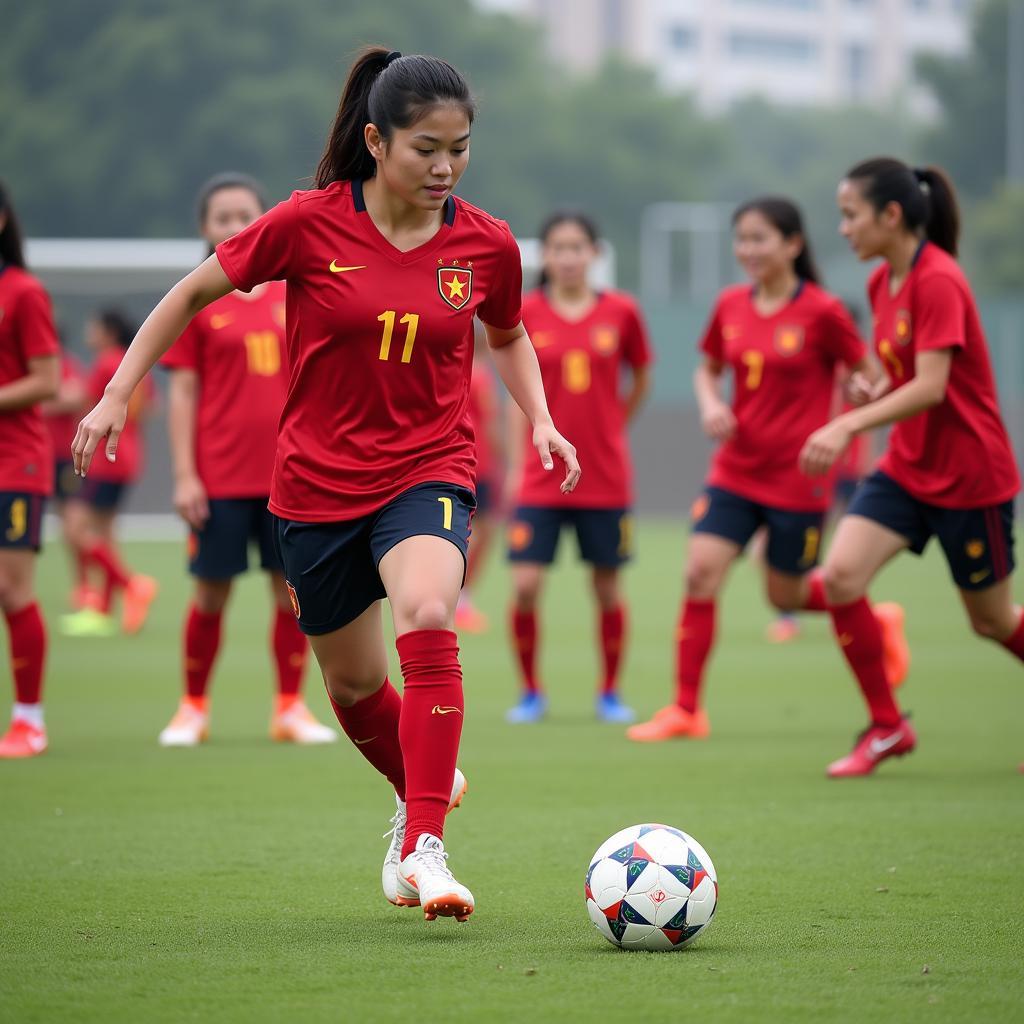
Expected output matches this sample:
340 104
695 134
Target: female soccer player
228 385
91 518
29 374
783 338
373 475
948 469
584 339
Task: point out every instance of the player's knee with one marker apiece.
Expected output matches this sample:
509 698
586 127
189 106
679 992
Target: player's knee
702 579
430 613
347 688
784 597
525 593
212 595
991 627
843 583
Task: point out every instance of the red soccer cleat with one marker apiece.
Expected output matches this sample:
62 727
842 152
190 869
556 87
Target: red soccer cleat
22 740
874 745
138 596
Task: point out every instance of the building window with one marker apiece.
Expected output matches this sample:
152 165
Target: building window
682 38
758 46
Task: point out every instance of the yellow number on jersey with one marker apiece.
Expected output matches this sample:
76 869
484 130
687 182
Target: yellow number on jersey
891 360
19 519
411 321
576 371
812 539
625 536
446 504
754 362
264 353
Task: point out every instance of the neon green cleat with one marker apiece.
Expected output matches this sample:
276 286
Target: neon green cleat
88 623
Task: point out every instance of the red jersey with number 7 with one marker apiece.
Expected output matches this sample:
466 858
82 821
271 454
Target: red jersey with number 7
956 454
236 347
784 370
379 345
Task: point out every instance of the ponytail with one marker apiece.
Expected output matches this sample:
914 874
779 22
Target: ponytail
925 195
784 215
12 253
390 91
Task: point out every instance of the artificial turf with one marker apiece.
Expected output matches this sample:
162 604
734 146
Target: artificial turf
240 881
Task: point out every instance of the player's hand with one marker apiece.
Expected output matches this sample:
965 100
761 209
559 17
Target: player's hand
824 447
718 422
191 502
860 390
101 426
548 442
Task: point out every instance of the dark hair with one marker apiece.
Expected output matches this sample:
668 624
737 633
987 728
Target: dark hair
226 179
391 91
118 324
784 215
925 194
553 220
12 252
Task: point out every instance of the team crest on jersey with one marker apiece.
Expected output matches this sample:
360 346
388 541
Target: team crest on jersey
903 326
731 332
294 599
540 339
455 285
699 509
975 548
519 535
606 339
789 340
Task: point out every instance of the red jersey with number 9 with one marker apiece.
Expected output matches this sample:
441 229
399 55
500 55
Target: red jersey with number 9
26 332
236 347
957 454
784 369
581 362
379 345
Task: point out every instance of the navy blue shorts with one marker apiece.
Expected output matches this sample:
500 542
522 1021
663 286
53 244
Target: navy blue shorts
484 497
103 495
220 550
977 542
604 535
21 521
331 568
67 484
794 538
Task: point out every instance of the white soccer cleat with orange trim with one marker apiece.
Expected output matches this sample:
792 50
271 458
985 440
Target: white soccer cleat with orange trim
23 739
389 872
296 724
425 880
189 727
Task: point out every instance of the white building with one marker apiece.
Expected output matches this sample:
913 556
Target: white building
821 52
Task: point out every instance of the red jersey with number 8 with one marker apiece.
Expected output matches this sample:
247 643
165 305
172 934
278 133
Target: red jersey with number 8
379 345
236 348
784 369
957 454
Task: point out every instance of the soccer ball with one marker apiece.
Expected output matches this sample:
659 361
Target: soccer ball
651 887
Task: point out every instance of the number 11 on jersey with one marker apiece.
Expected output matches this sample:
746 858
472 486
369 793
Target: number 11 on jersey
410 321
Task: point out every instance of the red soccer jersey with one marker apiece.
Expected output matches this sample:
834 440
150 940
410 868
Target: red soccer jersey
379 345
130 448
64 426
784 368
483 409
26 332
236 347
957 454
581 362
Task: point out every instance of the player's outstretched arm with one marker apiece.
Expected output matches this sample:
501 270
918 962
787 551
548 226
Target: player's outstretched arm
517 365
161 329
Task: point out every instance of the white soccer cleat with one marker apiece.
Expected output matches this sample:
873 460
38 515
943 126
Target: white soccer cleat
424 880
296 724
389 873
189 727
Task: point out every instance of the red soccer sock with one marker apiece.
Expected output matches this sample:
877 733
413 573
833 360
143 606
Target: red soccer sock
81 567
815 593
613 635
1014 643
202 641
860 637
696 637
430 727
27 633
524 639
104 555
372 725
290 647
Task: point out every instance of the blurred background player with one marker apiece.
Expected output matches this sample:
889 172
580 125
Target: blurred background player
783 337
29 375
948 469
229 379
485 416
585 341
90 518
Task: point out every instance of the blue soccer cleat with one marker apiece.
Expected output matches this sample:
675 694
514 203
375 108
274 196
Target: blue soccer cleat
531 708
611 709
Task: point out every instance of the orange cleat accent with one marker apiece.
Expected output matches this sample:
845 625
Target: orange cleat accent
469 619
448 905
672 722
895 649
22 740
293 722
85 596
190 725
138 596
783 630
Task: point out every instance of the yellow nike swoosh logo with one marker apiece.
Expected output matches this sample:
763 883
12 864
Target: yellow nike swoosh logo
335 269
438 710
845 640
220 320
977 577
359 743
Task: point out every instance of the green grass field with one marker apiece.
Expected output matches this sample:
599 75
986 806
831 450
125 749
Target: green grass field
240 881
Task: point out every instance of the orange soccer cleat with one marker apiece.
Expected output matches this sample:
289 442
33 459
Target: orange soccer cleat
895 649
293 722
783 630
138 596
22 740
469 618
190 725
671 723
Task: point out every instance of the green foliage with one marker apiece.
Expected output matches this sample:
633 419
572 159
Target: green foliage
994 240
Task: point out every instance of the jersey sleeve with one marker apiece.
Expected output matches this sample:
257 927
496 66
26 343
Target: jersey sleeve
99 377
712 342
262 251
940 315
842 339
636 343
503 306
33 320
184 353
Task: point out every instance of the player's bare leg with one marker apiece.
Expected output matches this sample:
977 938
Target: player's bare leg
469 618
